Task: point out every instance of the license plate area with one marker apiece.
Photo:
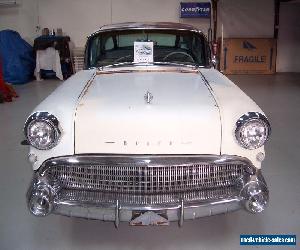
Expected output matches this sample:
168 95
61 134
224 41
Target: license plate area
149 218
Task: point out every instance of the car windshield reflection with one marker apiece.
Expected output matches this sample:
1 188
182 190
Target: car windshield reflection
167 46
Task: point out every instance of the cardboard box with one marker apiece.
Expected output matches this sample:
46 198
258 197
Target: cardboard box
248 56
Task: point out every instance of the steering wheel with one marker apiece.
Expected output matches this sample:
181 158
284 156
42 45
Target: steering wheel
181 53
121 58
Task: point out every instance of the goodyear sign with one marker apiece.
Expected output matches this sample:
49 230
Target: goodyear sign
248 56
195 9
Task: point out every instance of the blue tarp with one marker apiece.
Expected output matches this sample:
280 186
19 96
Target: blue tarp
17 57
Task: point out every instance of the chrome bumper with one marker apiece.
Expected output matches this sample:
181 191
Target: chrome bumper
117 212
46 196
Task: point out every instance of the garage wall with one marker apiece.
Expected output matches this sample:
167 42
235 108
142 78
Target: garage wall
78 18
22 18
244 18
288 44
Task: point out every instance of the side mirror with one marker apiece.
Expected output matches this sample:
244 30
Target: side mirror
214 61
214 53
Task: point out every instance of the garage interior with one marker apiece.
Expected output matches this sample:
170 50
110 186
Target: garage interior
278 94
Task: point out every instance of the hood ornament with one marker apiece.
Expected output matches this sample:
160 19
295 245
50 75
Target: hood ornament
148 97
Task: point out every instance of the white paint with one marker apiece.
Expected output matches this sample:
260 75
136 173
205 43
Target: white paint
233 103
191 112
62 104
113 116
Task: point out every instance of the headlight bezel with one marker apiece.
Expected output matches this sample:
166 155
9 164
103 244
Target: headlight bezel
50 120
248 118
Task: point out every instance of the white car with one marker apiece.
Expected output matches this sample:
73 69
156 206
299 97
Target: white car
147 140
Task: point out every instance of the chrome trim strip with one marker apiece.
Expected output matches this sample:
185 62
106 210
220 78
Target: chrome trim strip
176 206
171 206
146 26
151 160
166 64
177 213
79 98
181 215
148 67
210 89
117 214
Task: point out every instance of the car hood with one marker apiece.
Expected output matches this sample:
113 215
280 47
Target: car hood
114 117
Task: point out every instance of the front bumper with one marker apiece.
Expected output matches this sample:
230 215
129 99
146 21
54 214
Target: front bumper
46 196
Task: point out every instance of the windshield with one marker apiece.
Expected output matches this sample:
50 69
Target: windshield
167 46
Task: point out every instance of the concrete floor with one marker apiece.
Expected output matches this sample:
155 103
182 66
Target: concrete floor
278 95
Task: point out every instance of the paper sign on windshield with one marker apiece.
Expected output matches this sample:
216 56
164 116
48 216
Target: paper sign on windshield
143 52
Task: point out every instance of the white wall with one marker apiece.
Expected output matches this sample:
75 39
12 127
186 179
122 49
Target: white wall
79 18
288 45
246 18
22 18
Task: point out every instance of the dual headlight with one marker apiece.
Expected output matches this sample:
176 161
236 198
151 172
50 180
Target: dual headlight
42 130
252 130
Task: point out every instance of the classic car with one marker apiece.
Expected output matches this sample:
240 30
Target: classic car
147 138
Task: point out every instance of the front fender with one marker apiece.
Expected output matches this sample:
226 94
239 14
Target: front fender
233 103
62 103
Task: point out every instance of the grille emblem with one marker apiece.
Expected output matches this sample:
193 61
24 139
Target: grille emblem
148 97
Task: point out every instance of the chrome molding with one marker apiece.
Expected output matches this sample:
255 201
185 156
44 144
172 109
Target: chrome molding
126 68
146 202
162 66
181 213
146 26
151 160
117 214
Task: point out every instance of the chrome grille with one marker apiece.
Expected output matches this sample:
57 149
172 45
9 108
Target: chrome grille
144 179
92 197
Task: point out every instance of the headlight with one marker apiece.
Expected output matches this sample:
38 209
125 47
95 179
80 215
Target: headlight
252 130
41 130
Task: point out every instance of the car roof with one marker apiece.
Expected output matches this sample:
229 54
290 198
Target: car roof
147 25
